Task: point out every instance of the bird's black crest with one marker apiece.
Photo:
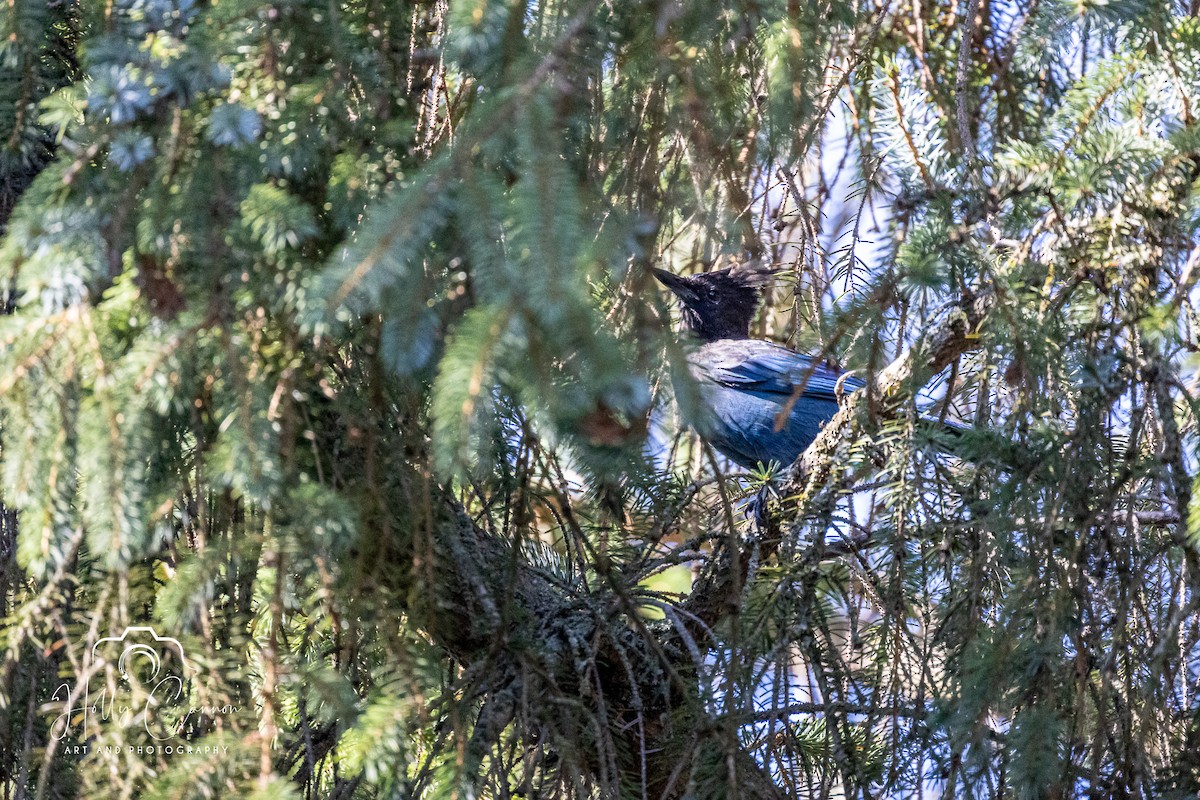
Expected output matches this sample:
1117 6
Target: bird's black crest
719 304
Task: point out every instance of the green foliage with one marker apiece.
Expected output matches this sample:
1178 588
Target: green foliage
329 349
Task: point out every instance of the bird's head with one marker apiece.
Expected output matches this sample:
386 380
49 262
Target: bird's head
718 304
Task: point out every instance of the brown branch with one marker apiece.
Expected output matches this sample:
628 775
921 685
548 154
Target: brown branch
962 114
1151 519
498 615
953 336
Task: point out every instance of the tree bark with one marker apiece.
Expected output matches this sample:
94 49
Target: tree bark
645 719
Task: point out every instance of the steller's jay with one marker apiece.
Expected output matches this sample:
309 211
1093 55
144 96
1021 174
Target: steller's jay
746 384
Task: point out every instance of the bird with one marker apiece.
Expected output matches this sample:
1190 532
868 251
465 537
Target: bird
760 402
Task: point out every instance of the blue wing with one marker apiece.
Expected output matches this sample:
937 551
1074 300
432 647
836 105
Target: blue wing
758 366
746 384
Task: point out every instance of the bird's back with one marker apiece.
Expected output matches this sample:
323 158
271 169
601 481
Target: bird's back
746 383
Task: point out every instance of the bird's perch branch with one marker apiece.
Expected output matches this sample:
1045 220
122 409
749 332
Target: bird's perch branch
955 334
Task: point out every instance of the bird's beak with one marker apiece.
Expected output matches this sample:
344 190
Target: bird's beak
679 286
